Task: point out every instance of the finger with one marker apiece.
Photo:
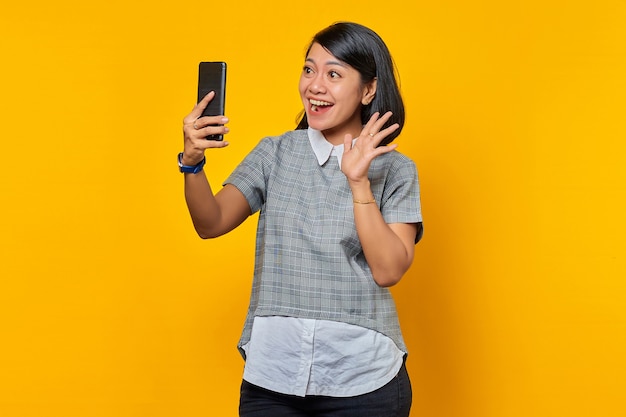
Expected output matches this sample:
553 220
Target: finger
375 139
205 121
389 130
200 131
347 142
216 144
199 108
372 128
385 149
375 123
380 122
212 130
369 126
199 144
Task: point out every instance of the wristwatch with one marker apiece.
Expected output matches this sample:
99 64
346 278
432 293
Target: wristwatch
191 169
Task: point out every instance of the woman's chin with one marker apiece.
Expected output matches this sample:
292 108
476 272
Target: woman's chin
319 121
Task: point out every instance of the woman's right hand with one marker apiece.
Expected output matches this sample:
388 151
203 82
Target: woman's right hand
196 129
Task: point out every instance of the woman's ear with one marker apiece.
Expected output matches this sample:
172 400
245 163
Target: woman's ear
369 92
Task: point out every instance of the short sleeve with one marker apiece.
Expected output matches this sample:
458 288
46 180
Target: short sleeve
250 176
400 201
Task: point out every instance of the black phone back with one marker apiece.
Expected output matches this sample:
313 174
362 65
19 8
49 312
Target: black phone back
212 77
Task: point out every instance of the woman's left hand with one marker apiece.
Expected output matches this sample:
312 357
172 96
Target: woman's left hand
358 156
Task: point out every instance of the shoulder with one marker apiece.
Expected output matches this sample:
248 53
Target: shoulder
289 143
285 140
394 161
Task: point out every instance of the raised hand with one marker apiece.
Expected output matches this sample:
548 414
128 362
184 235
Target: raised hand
358 154
196 129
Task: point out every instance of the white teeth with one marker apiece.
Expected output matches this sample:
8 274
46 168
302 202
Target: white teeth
319 103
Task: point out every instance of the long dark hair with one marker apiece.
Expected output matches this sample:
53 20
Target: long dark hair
365 51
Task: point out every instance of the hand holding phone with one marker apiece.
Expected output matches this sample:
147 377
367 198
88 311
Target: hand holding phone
212 77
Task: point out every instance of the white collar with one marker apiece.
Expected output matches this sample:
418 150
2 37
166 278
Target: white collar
322 148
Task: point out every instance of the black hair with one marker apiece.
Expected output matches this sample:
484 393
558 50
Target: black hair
365 51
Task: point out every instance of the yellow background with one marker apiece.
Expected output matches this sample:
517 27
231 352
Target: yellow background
111 306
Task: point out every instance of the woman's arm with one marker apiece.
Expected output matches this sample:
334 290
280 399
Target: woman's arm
388 248
212 215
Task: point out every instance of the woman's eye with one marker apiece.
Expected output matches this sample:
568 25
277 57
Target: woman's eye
307 70
334 74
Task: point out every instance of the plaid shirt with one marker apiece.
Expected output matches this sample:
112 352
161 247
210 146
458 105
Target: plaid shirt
309 260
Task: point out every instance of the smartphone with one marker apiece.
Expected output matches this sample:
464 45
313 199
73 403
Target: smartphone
212 77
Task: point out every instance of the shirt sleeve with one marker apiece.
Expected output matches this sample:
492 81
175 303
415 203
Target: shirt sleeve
250 176
400 201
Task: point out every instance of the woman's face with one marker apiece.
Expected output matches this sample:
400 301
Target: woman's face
332 93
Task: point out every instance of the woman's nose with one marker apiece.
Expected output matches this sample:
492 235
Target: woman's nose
317 85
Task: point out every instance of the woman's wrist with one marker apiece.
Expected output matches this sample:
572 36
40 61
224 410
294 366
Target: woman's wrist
362 192
191 161
190 169
370 201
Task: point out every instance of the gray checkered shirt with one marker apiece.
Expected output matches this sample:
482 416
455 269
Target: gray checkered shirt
309 261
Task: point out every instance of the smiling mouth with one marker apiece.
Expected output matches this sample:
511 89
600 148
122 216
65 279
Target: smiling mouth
316 104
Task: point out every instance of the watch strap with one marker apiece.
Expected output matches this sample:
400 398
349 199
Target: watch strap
191 169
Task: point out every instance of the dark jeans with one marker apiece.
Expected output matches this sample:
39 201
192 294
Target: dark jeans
391 400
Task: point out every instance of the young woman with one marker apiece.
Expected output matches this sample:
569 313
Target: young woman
339 219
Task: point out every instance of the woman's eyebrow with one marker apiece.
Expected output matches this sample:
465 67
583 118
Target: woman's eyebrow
341 64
